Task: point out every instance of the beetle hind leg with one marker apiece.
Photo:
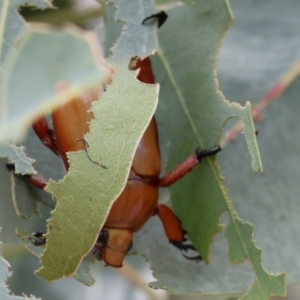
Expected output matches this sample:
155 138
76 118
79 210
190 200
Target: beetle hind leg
45 134
187 165
185 248
195 258
37 180
174 232
38 238
161 17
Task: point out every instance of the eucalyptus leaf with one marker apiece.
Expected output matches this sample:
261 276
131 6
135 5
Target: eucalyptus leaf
12 25
61 64
192 112
87 191
4 291
16 155
24 196
83 273
258 50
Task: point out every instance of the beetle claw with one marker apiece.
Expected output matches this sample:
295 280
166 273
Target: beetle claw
195 258
161 17
10 166
185 248
207 152
38 238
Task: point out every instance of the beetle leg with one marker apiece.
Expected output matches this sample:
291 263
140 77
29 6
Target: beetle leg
195 258
174 231
38 238
45 134
37 180
161 17
171 224
187 165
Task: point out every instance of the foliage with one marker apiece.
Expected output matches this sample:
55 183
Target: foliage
191 113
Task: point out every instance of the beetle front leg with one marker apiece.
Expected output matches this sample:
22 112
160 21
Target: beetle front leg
173 230
37 180
161 17
187 165
45 134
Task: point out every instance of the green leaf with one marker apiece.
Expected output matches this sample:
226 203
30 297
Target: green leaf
24 196
265 285
83 273
270 200
189 87
86 193
111 31
23 164
4 274
12 25
120 118
26 237
189 43
50 57
137 40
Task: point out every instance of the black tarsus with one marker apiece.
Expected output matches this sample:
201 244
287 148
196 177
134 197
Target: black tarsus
196 258
208 152
103 237
161 17
10 166
186 247
38 238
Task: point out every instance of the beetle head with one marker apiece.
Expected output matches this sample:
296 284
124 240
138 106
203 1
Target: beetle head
113 245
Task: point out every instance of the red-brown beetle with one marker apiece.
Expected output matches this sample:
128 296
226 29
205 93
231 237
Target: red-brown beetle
139 199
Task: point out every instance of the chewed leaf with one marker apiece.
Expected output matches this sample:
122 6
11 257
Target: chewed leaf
4 291
24 196
23 164
83 273
87 192
72 58
242 247
198 113
136 40
26 237
12 25
189 43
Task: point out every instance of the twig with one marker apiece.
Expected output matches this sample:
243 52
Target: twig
273 93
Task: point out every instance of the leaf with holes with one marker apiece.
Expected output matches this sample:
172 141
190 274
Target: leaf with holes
192 112
4 274
120 118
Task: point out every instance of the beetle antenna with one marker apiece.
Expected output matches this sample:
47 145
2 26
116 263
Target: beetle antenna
87 154
161 17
